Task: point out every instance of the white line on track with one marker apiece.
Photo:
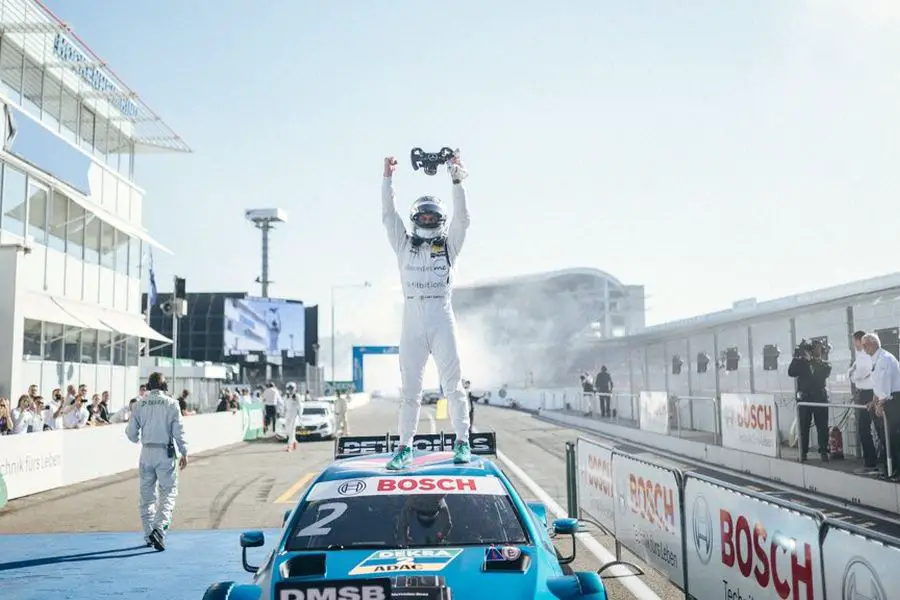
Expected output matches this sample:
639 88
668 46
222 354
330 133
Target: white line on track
637 587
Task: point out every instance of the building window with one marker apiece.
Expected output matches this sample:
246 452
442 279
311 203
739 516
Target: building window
72 343
56 221
104 347
132 351
119 350
89 346
122 241
134 257
53 342
32 90
87 129
107 245
38 197
75 231
68 117
11 70
14 201
50 102
31 340
92 235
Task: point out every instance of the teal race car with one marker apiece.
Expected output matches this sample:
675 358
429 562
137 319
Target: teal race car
435 531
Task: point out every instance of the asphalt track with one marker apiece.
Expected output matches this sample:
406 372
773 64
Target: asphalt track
246 486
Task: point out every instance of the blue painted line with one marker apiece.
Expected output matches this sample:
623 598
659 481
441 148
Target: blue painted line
118 565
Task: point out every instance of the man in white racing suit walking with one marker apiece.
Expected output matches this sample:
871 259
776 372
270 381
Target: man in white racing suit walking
291 415
156 423
427 258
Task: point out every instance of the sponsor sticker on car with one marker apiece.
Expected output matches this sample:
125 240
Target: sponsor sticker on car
416 560
387 486
343 589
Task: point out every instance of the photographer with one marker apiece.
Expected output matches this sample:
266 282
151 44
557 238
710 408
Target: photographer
811 371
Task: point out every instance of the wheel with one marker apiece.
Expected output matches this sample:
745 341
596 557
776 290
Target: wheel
219 591
229 590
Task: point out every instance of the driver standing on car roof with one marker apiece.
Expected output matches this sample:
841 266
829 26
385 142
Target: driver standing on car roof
157 423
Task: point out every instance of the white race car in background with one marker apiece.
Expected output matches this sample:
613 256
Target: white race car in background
317 420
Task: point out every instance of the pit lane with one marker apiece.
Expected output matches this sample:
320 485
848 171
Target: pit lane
250 485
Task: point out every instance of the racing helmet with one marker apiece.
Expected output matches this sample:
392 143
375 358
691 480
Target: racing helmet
291 386
429 218
426 507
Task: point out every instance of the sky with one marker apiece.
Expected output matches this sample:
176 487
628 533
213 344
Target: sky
711 151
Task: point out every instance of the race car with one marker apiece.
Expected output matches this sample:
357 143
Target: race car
436 530
316 420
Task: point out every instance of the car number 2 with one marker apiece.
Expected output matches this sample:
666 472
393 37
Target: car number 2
334 511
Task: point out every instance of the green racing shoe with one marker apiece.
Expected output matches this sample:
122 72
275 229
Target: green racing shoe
401 460
462 453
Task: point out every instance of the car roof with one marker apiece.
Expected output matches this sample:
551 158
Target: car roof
316 404
425 464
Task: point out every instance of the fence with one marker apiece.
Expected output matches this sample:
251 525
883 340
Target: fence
713 539
751 422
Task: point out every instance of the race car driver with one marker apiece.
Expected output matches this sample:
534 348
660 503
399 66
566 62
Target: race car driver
291 415
156 423
424 520
427 257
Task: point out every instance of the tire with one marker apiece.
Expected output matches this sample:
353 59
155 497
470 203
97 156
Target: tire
219 591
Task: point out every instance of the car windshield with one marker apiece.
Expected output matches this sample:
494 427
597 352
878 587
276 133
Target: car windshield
386 512
313 411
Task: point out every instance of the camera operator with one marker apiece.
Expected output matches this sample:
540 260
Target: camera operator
811 371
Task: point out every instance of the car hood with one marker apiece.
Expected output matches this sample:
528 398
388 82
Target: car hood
313 420
461 568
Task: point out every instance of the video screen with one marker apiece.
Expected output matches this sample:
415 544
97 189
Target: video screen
264 325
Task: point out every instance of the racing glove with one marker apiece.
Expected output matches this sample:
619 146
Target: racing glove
456 169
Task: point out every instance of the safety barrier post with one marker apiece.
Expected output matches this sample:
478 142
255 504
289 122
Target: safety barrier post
571 481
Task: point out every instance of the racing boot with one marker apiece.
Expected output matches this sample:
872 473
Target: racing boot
462 453
401 460
156 538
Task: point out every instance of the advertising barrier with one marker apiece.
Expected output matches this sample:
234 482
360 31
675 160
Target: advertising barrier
253 420
654 411
743 546
718 540
37 462
595 489
648 516
750 423
859 564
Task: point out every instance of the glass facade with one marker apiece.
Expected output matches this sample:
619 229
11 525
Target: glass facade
63 343
58 222
37 90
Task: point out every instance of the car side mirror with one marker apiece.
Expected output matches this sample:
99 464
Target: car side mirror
287 515
251 539
567 526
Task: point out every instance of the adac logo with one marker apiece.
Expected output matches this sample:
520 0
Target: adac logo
352 487
861 582
702 530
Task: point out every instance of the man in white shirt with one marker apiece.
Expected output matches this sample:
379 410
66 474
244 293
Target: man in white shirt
886 388
76 415
861 376
271 399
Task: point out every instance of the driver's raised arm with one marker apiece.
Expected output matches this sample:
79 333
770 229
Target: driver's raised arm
459 222
396 230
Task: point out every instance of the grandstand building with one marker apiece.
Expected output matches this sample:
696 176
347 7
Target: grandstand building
538 320
72 237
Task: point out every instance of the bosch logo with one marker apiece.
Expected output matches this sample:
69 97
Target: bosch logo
703 530
352 487
861 582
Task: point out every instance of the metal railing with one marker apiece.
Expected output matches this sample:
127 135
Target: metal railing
716 421
826 406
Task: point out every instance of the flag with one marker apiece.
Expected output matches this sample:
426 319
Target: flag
151 296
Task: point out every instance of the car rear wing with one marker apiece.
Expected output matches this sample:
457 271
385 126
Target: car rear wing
483 443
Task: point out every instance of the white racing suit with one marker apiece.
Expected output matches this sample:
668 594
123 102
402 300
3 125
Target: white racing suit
340 413
429 327
291 416
156 422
